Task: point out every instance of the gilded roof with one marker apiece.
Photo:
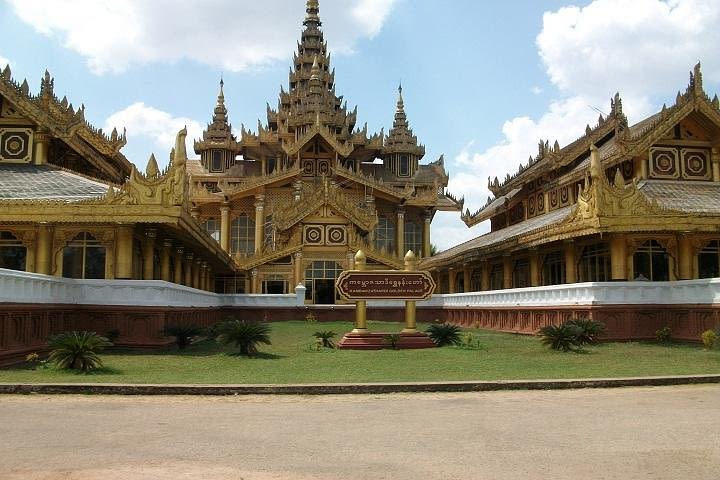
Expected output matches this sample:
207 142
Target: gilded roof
687 196
499 236
46 182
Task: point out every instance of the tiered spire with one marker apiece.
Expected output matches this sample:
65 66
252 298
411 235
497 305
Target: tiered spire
220 114
401 138
218 134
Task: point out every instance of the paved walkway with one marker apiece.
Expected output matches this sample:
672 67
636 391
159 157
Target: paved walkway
628 433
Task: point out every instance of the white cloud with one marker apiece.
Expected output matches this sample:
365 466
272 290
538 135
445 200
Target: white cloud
537 90
643 49
145 123
228 34
4 61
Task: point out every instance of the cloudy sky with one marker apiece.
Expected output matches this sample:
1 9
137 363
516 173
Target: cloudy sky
483 81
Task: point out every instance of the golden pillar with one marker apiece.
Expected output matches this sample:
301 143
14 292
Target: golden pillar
685 258
618 257
360 305
203 276
427 219
570 271
534 268
124 252
410 310
210 287
715 160
41 142
297 269
254 281
259 221
451 280
188 269
165 260
485 278
400 230
196 273
467 274
179 265
225 228
507 272
149 254
43 254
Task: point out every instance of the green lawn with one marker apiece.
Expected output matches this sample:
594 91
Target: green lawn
288 360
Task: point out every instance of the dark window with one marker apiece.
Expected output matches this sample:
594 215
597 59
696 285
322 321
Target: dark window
521 274
12 252
242 235
553 269
404 166
595 263
385 235
496 277
84 257
217 161
709 260
476 280
651 262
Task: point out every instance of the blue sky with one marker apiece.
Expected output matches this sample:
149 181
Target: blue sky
482 81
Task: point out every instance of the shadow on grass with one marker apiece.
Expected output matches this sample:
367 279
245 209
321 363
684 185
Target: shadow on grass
257 356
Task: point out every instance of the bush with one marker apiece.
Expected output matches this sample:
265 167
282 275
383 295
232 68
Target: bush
709 337
77 350
392 340
589 330
184 334
245 335
664 335
470 341
563 337
325 338
444 334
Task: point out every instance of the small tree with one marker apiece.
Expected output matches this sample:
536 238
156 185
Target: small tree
590 330
184 334
245 335
563 337
77 350
325 337
444 334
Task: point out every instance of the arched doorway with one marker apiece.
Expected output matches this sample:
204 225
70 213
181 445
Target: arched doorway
320 279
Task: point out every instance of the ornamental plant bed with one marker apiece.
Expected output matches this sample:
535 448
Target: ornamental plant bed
496 356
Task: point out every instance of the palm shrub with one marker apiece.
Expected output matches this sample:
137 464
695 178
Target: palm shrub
709 337
563 337
325 338
444 334
183 334
590 330
77 350
245 335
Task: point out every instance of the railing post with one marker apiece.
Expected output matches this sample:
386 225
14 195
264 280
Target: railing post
360 305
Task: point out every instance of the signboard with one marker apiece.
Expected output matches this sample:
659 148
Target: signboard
385 285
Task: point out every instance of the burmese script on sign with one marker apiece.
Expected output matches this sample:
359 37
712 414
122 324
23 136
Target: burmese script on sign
387 285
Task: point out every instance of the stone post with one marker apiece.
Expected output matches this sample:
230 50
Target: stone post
254 281
451 280
298 271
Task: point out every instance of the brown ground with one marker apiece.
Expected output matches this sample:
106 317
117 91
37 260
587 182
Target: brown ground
630 433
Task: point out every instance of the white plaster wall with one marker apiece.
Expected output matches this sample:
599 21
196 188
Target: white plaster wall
23 287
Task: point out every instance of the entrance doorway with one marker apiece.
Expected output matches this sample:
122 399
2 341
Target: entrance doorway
320 279
325 292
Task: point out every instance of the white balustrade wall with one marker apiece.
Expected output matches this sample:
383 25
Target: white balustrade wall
23 287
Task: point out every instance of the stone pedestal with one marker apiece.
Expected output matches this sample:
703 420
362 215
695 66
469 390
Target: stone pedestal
380 340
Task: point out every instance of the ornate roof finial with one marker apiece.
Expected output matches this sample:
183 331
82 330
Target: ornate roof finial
696 82
152 170
315 70
312 19
47 85
220 113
